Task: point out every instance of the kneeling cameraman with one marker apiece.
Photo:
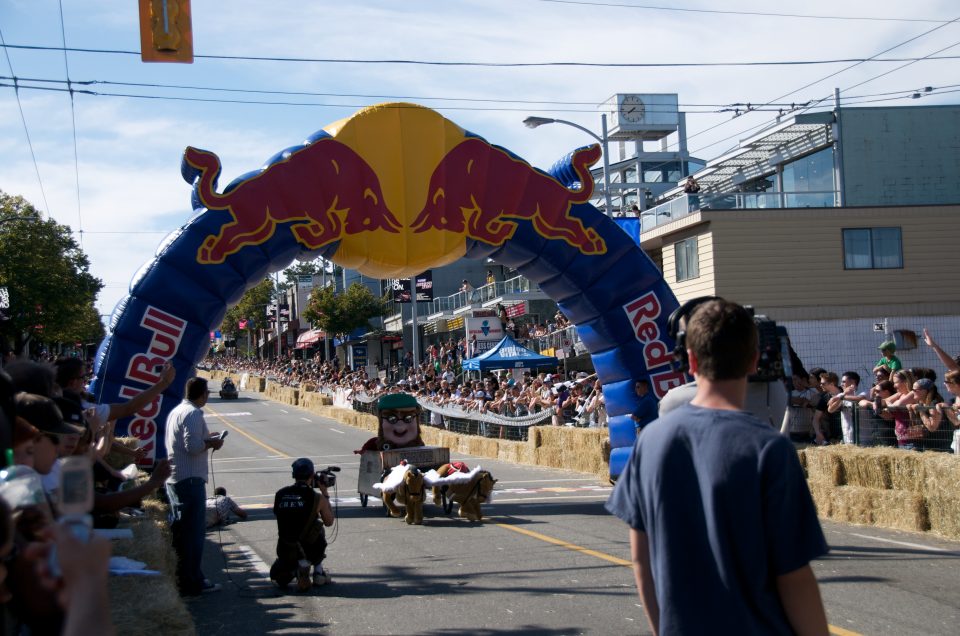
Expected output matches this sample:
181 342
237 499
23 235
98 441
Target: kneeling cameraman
299 510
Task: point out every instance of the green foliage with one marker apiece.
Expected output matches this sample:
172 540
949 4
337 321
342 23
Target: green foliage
291 274
252 305
340 314
52 292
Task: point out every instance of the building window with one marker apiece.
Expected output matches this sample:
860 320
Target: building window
687 259
872 248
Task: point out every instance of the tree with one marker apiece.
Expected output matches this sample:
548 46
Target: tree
251 308
47 276
341 314
291 274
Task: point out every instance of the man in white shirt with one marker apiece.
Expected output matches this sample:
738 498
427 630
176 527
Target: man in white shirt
187 441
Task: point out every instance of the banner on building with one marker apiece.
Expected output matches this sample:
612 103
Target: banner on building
488 331
401 288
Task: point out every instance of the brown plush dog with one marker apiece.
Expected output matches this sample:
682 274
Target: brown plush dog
410 493
469 495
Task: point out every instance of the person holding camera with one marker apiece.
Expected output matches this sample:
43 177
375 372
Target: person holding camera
302 510
722 524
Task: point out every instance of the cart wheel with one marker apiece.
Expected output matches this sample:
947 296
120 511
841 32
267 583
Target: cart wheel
363 500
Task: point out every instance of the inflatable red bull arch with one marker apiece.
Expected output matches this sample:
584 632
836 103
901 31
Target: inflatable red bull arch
391 191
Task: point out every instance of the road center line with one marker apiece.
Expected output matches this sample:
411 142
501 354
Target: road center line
564 544
249 436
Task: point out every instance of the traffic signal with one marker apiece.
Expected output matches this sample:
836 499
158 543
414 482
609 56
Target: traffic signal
165 31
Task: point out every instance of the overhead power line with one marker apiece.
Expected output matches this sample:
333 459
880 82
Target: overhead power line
73 124
26 130
462 63
765 14
740 108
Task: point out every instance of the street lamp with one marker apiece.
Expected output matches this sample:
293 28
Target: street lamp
9 219
533 122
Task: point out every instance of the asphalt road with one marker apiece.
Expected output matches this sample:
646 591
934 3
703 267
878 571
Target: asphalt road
547 560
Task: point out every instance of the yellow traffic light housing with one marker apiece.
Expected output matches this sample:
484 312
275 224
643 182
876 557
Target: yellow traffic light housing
165 31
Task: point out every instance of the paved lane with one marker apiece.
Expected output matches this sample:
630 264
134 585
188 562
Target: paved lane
547 560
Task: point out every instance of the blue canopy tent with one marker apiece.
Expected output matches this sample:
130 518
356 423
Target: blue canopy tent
509 354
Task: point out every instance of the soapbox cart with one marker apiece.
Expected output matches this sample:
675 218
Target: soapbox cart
375 464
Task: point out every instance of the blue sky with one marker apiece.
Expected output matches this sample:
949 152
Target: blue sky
128 150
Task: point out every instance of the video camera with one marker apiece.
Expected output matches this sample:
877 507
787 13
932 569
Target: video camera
774 363
326 477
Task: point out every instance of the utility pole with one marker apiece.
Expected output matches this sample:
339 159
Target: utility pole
276 279
415 337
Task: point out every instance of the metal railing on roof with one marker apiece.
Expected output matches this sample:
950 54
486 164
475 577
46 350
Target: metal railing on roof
688 203
485 293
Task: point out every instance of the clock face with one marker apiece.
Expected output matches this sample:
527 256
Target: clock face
632 109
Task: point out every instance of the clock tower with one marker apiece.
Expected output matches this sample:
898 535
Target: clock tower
642 116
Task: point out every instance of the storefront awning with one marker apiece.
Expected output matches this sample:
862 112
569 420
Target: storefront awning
309 338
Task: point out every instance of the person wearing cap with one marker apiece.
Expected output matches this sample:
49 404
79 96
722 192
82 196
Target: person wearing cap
889 360
302 510
42 413
399 415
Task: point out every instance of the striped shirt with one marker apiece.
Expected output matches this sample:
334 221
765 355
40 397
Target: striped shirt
186 432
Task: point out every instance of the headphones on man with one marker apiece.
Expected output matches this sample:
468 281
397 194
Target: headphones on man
681 363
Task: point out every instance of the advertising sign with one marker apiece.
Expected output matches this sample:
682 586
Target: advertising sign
401 288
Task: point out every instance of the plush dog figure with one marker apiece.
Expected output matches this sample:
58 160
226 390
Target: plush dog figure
410 493
468 495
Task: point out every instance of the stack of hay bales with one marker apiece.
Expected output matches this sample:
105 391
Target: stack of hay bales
886 487
149 605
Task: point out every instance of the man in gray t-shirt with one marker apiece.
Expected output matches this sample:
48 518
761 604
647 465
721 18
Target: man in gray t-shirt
722 524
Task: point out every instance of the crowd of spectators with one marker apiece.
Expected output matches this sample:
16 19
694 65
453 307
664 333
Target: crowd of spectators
57 429
902 407
575 400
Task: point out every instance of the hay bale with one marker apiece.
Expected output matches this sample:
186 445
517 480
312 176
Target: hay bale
822 498
149 605
943 513
553 435
942 475
870 506
900 510
549 456
907 470
511 451
867 467
823 465
141 605
534 436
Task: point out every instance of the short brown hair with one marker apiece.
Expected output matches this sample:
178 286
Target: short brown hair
196 388
829 377
723 337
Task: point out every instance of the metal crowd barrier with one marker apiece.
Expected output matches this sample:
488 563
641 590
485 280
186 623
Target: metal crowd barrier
457 420
871 428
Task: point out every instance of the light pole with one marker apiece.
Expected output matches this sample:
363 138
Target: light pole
30 218
533 122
